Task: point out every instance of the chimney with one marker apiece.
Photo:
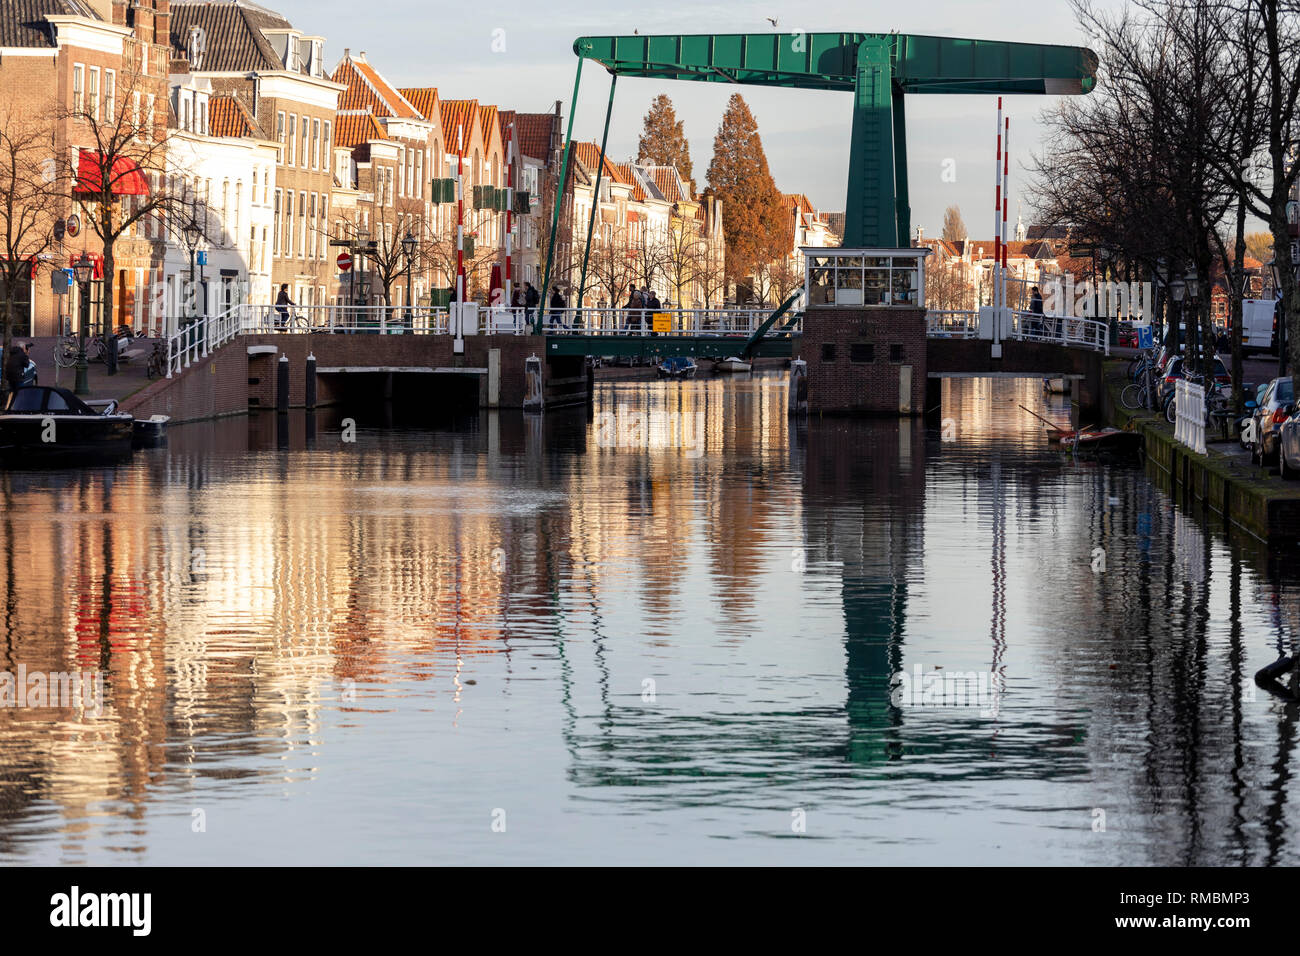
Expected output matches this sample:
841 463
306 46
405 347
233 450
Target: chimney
346 53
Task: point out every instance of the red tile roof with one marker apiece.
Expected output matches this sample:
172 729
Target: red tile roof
488 120
458 114
798 202
424 99
627 175
353 129
589 155
533 132
229 117
668 182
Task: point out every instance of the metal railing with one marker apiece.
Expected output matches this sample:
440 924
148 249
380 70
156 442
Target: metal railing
1026 327
1189 421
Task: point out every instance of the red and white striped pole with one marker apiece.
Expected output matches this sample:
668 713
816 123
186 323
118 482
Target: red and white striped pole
460 215
510 206
1006 198
997 213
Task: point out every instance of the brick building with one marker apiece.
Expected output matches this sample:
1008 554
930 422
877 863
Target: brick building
277 73
69 68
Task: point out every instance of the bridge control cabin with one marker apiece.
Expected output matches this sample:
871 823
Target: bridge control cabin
864 330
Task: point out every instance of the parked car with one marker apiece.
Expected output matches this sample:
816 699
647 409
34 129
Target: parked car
1275 407
1173 371
1288 447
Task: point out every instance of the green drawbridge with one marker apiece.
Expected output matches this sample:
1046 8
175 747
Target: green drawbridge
879 69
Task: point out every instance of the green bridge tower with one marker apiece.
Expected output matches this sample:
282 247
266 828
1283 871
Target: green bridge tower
879 69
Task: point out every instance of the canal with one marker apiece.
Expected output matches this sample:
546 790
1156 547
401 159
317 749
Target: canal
674 628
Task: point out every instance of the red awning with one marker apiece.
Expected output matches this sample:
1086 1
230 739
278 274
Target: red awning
97 259
125 178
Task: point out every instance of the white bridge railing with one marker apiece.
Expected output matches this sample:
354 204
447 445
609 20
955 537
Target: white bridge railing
201 336
1024 326
1189 420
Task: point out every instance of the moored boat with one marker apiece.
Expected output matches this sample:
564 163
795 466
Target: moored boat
1055 386
1104 439
43 425
732 364
677 366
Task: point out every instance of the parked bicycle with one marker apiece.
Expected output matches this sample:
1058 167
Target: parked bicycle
157 367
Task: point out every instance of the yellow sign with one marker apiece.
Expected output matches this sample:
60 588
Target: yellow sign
663 321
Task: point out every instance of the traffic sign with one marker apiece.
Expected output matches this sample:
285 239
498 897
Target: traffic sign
661 321
344 261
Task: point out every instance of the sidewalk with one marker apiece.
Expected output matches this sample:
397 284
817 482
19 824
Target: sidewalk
130 377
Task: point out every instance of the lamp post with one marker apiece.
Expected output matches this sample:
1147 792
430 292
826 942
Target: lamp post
1279 316
192 233
1176 290
408 246
1194 325
83 270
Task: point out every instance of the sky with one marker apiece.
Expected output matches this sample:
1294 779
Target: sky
805 133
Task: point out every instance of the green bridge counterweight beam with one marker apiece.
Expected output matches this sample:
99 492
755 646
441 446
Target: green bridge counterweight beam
879 69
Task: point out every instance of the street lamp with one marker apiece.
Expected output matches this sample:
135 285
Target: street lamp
1194 325
83 270
1279 316
408 246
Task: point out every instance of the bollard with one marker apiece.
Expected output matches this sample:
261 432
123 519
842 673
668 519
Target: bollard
282 385
534 398
797 401
311 381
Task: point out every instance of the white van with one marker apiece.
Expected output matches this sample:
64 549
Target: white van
1258 325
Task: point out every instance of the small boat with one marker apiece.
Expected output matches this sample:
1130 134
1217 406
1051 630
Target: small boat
41 424
677 366
149 432
1056 386
1104 439
732 364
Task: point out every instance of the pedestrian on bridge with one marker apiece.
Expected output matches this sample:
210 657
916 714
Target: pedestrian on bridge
1036 308
634 306
557 308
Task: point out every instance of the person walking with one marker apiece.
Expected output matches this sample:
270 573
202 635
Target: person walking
1036 309
652 306
633 308
282 303
557 307
531 296
15 367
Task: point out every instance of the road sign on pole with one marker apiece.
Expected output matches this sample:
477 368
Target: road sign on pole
344 262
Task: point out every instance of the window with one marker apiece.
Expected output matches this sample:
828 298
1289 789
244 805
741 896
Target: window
293 127
306 155
896 353
279 136
419 174
92 93
135 111
78 89
315 144
401 173
325 147
203 115
186 118
110 96
324 218
275 219
288 223
239 201
313 226
148 118
828 351
302 224
862 352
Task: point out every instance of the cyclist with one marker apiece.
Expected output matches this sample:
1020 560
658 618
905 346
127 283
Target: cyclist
282 303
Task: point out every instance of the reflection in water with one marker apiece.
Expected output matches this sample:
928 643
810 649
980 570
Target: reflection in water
630 647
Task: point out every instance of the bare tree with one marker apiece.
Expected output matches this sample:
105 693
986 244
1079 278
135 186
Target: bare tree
30 198
947 286
122 178
612 264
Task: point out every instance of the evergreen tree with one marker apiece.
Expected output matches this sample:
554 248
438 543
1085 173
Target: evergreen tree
954 229
754 220
663 140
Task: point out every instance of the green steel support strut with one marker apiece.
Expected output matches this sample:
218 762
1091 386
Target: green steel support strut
559 198
761 331
904 212
595 196
871 216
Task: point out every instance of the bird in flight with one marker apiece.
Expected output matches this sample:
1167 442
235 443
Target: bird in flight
772 20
